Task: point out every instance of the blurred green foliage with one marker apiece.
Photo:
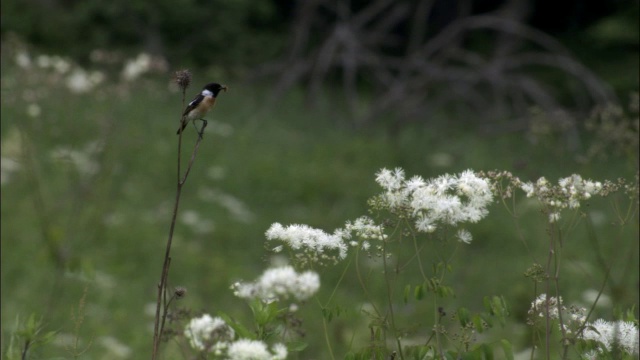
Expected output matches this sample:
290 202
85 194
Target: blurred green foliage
87 205
188 32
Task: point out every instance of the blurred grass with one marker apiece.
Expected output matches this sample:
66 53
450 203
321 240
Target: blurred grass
106 216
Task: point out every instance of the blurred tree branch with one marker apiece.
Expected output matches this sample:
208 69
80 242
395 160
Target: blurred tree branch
482 65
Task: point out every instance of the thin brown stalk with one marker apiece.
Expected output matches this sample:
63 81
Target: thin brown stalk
162 305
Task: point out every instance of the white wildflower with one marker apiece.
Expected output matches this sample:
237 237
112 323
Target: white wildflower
541 303
23 59
136 67
623 334
424 224
245 349
365 228
528 188
80 81
464 236
451 200
34 110
279 352
84 160
280 283
569 192
8 166
207 333
43 61
313 243
390 180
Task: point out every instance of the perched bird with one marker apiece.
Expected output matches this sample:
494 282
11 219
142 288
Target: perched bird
201 104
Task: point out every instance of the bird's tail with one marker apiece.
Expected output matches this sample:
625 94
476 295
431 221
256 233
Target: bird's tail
182 126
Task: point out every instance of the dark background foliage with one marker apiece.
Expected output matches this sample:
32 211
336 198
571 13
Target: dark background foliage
496 59
247 32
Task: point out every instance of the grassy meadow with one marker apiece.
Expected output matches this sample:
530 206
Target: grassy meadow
89 181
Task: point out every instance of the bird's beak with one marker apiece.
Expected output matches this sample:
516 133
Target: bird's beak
224 87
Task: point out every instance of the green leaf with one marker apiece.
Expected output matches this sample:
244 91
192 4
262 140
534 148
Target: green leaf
240 329
478 323
463 316
487 304
487 351
418 292
445 291
507 348
327 314
487 319
296 346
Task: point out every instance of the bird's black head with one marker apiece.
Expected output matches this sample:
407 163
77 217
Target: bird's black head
215 88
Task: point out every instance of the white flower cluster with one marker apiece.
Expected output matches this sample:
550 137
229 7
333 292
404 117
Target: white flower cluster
623 334
573 317
316 245
215 336
567 194
278 284
82 81
448 199
78 80
85 161
245 349
364 228
540 304
209 334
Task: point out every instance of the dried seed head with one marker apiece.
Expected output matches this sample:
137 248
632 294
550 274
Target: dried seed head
183 78
180 292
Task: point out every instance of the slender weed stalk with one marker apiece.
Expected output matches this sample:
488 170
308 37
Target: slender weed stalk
183 79
78 319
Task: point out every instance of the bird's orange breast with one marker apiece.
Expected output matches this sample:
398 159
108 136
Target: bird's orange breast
208 103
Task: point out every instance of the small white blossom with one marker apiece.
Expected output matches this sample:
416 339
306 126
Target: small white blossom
34 110
280 283
450 199
539 306
279 352
464 236
80 81
424 224
390 180
23 59
245 349
313 243
207 333
365 228
136 67
569 192
84 160
8 166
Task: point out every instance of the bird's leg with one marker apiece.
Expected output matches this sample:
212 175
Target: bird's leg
204 125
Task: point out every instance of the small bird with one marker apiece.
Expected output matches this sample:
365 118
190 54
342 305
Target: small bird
201 104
